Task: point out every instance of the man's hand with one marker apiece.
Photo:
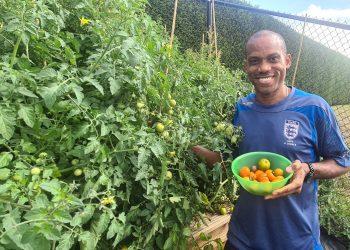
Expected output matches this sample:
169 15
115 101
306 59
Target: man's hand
296 184
207 155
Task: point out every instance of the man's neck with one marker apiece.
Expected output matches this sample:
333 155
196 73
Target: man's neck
273 97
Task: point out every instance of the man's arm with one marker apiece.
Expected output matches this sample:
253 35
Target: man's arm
209 156
325 169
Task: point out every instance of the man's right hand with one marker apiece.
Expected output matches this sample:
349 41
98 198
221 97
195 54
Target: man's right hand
210 157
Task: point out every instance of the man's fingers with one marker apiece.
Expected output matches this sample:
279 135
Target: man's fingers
294 167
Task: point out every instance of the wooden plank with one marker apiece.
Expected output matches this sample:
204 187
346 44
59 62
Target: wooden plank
216 226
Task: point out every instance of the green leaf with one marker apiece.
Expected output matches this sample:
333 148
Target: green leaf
27 114
93 82
78 93
114 85
52 186
49 231
66 241
5 187
174 199
93 145
28 147
157 149
36 213
101 224
62 216
24 91
180 215
70 55
104 129
88 240
7 123
143 155
47 73
41 201
49 94
5 159
168 243
84 216
4 173
203 237
187 231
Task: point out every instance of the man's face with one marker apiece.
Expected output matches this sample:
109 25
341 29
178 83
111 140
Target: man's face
266 64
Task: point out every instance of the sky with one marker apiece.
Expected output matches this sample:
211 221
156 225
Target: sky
331 10
316 8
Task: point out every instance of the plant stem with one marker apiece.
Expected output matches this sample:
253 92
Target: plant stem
217 192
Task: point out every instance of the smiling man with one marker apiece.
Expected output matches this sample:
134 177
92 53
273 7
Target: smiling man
296 124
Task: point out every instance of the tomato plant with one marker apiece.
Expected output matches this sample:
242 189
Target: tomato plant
84 90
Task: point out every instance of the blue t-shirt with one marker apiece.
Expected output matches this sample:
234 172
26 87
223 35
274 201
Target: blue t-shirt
302 126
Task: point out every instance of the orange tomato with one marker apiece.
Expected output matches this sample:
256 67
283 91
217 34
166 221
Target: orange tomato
244 171
271 176
278 172
278 178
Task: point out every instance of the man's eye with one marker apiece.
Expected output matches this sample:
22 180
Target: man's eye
274 59
253 62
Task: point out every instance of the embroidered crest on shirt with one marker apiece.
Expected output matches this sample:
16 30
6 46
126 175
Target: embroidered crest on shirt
291 129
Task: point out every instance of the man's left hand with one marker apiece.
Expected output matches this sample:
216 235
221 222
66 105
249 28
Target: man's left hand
296 184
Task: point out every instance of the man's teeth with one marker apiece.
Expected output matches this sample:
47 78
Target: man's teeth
265 78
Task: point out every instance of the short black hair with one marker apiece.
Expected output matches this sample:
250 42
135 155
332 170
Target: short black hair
267 33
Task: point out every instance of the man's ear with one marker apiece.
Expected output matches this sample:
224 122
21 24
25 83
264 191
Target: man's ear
288 60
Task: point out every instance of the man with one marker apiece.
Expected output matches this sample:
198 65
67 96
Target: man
293 123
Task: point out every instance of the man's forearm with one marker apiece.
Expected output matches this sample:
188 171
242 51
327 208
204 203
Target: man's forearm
209 156
326 169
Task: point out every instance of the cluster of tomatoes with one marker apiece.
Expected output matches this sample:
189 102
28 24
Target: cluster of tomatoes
262 172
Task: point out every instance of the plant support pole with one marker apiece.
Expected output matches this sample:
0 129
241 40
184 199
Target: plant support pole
173 25
214 29
209 19
299 52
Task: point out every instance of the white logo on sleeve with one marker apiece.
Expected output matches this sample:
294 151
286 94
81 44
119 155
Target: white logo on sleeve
291 129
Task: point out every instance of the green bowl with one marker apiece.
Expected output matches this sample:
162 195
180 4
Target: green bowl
252 158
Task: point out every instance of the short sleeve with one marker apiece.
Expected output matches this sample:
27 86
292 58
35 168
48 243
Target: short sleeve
331 144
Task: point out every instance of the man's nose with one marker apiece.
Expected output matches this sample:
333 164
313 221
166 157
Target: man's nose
264 66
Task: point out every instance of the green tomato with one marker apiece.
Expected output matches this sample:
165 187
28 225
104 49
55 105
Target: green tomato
234 139
140 105
172 103
166 135
223 210
78 172
168 175
170 112
74 162
39 161
160 127
17 177
168 122
43 155
35 171
229 130
220 127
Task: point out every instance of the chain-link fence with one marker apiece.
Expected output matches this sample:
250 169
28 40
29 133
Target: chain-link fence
320 50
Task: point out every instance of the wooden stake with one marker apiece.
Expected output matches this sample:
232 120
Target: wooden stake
214 29
299 52
173 26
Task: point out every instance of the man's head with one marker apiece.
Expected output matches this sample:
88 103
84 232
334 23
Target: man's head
267 62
